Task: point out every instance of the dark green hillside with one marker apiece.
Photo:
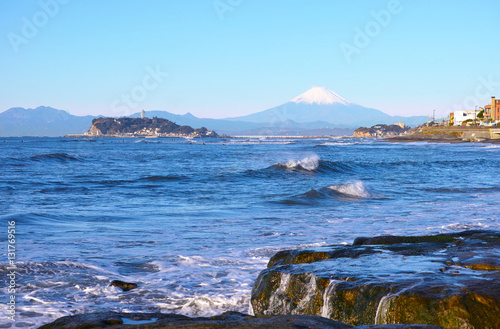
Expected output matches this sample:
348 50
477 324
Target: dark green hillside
142 126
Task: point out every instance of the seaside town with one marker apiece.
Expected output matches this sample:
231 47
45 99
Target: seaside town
478 125
483 116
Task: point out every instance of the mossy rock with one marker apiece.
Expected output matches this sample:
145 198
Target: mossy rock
448 280
125 286
275 293
456 311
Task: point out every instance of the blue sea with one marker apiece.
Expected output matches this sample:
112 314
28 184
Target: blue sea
193 222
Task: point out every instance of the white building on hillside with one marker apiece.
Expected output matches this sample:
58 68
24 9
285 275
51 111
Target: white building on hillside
461 116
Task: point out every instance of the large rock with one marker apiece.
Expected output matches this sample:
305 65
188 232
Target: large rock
112 320
125 286
448 280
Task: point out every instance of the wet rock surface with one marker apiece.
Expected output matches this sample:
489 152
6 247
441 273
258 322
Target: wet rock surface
112 320
227 320
450 280
125 286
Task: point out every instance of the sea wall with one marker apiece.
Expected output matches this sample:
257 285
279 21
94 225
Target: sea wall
461 132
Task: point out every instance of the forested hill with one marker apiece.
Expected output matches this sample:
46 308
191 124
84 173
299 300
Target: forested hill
144 127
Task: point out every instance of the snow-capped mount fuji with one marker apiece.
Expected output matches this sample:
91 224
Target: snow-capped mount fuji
320 95
324 108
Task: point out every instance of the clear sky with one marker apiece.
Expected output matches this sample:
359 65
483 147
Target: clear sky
222 58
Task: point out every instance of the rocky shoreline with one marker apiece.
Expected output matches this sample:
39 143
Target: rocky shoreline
439 138
439 281
434 133
114 320
448 134
447 280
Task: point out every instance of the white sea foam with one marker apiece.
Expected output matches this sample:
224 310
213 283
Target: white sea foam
309 163
354 189
492 146
213 285
162 267
464 226
214 305
268 252
193 261
310 245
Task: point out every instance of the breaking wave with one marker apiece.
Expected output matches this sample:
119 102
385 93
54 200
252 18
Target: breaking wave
350 191
314 164
353 189
309 164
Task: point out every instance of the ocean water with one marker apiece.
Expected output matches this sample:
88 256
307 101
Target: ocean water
194 222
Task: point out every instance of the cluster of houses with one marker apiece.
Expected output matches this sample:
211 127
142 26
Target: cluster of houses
487 116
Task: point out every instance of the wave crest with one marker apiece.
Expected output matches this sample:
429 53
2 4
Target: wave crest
354 189
310 163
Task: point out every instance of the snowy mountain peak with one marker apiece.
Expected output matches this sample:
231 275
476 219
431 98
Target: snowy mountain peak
320 95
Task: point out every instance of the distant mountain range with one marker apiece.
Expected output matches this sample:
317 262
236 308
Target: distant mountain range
318 111
42 121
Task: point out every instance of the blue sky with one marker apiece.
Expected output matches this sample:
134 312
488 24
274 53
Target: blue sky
223 58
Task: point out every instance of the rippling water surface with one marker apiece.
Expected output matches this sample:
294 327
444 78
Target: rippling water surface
194 222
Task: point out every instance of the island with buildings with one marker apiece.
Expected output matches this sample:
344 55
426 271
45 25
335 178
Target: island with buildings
382 130
144 127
